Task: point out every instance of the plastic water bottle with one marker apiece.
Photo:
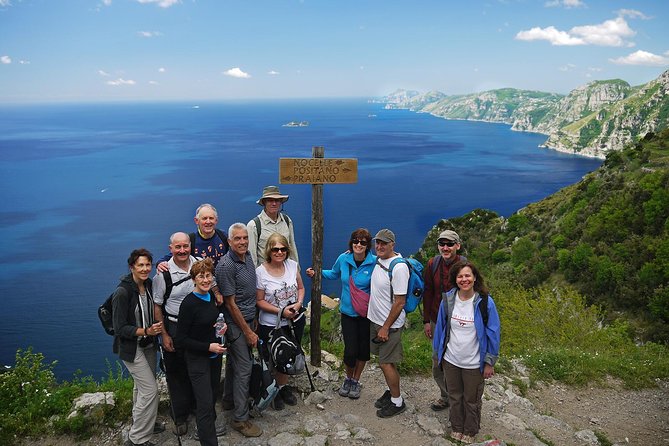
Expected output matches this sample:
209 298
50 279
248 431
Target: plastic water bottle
219 328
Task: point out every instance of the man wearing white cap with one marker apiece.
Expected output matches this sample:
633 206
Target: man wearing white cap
269 221
437 283
386 314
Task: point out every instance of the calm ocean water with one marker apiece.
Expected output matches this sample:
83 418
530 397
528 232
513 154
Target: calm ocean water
83 185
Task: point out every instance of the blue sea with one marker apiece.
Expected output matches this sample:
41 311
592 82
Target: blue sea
81 185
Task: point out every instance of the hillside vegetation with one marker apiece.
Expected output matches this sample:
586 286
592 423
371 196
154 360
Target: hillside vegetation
606 237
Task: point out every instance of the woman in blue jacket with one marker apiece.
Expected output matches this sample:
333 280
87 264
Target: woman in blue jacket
355 265
466 341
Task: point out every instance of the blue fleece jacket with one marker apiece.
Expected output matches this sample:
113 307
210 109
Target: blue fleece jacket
342 269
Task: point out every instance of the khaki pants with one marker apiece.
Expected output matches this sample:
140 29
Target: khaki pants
465 393
145 396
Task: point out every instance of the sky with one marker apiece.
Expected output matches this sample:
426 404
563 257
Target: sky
126 50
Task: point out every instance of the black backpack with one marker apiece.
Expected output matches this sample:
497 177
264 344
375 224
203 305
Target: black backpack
105 310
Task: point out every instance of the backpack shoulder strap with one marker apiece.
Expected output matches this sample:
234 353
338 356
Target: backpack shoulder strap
256 220
434 264
287 218
191 236
483 308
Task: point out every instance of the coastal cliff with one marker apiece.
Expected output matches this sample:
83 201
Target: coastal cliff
591 120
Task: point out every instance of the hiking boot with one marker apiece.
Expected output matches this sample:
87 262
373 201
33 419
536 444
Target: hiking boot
277 402
383 401
158 428
354 393
391 410
467 439
345 387
439 405
457 436
247 428
287 396
181 428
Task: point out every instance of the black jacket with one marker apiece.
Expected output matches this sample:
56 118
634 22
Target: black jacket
123 317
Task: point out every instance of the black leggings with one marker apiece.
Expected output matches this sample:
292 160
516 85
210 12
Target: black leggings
355 331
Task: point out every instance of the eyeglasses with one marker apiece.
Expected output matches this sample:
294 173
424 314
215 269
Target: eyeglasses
446 243
283 249
356 241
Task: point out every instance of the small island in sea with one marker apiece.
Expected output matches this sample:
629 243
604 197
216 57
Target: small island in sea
296 124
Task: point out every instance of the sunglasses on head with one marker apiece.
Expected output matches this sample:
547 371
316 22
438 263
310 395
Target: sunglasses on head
283 249
356 241
446 243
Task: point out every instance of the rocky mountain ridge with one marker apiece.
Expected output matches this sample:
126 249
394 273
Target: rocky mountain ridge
591 120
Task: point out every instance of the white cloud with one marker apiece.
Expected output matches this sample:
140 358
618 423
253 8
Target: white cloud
237 72
568 67
642 58
161 3
632 13
5 3
595 69
566 3
24 62
552 34
107 2
6 60
153 83
273 73
149 34
609 33
121 81
103 73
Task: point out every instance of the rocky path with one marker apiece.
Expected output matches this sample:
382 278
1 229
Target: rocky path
548 415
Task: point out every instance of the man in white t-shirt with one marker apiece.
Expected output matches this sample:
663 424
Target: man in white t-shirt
387 316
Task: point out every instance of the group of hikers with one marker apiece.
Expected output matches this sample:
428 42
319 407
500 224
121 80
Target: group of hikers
251 278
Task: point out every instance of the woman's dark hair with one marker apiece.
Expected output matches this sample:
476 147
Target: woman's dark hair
361 234
137 253
479 284
202 266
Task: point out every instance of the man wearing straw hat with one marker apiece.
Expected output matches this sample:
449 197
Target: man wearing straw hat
269 221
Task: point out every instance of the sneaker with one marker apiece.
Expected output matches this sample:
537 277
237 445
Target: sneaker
247 428
277 402
390 410
181 428
467 439
457 436
130 443
158 428
345 387
439 405
220 431
287 396
383 401
354 393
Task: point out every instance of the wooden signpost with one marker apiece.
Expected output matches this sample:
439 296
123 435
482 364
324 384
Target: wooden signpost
317 171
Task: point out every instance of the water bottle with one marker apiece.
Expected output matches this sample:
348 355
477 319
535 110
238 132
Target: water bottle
219 328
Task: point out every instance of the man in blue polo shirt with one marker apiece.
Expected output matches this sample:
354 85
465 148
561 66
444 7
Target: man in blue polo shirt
236 278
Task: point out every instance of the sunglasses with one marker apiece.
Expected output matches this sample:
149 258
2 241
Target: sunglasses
275 250
446 243
356 241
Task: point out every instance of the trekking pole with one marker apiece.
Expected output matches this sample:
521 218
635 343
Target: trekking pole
163 368
299 343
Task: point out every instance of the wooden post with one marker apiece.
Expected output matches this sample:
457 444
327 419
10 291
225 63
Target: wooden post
317 263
